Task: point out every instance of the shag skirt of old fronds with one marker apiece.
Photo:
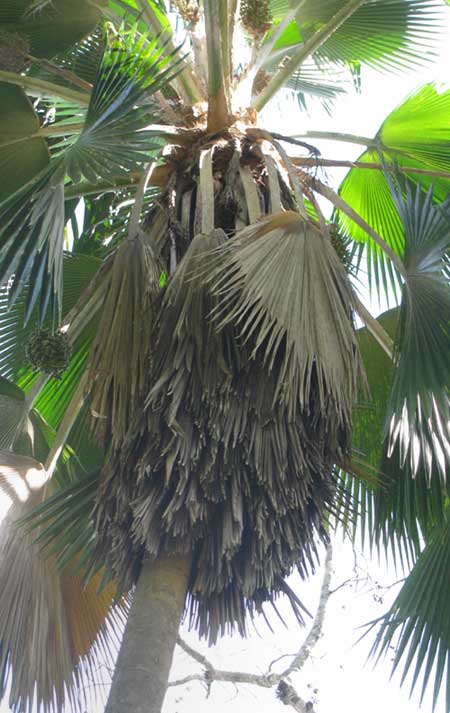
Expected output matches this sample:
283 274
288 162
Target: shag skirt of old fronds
216 465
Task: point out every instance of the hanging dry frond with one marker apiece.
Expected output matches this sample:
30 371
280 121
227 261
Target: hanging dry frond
118 363
185 371
53 626
232 458
283 287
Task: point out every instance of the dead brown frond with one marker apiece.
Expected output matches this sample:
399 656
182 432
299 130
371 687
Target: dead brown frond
252 382
118 363
283 287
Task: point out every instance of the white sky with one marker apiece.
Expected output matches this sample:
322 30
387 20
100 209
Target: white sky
337 668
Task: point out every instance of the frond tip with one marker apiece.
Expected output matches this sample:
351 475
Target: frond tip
282 285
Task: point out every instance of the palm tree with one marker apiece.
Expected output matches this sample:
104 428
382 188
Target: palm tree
187 409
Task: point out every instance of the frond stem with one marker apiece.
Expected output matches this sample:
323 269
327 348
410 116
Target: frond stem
336 136
266 49
306 50
319 161
374 327
218 108
339 203
64 73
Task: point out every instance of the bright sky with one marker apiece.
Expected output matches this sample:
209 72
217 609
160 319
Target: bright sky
336 669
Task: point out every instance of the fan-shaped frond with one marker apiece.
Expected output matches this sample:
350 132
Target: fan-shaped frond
414 135
111 143
43 608
267 275
384 34
63 624
416 626
419 410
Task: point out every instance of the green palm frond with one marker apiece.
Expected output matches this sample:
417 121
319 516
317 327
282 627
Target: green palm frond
23 154
50 28
416 626
114 140
418 417
111 143
62 523
383 502
383 34
414 135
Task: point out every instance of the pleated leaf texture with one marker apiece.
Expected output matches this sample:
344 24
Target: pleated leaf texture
265 277
53 626
243 424
119 358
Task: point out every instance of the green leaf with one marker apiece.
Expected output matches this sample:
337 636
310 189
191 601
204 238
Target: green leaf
381 501
22 154
417 135
65 520
11 410
113 140
112 143
78 271
58 26
383 34
418 417
417 625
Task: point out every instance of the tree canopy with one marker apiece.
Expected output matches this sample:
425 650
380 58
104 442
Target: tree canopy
180 371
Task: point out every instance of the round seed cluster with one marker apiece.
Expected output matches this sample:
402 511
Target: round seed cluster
256 17
48 352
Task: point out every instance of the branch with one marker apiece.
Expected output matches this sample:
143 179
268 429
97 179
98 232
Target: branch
317 625
187 679
285 691
306 49
40 88
319 161
289 696
268 46
374 327
193 653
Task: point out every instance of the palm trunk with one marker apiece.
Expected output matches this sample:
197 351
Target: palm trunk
145 657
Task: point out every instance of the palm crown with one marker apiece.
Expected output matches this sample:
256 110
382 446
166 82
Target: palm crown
182 377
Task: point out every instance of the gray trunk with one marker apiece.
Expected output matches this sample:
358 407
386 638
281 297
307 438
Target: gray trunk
145 657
